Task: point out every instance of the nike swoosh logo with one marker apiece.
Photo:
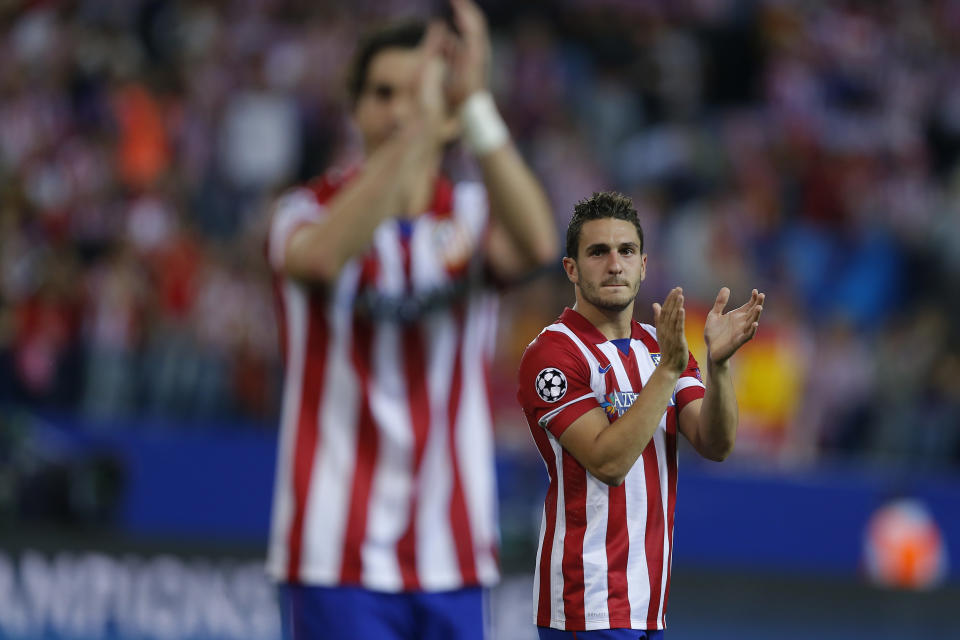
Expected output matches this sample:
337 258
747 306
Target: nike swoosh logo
603 370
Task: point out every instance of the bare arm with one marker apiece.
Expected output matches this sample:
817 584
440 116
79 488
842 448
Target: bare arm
523 234
521 211
711 424
609 450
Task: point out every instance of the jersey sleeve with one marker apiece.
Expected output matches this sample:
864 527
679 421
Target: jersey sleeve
554 383
293 209
689 386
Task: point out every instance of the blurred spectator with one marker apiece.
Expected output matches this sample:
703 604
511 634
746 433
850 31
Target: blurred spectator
116 290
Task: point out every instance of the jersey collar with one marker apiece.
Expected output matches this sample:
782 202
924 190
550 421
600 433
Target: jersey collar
576 321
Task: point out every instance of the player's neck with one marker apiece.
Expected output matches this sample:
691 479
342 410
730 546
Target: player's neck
614 325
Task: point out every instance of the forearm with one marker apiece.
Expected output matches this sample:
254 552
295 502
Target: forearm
378 191
719 415
519 204
618 446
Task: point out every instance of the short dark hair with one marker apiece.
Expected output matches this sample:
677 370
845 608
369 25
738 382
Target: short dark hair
603 204
400 35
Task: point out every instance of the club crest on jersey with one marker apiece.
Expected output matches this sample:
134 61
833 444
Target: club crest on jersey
454 243
616 403
656 358
551 384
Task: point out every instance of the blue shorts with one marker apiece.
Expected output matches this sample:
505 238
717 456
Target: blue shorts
349 613
546 633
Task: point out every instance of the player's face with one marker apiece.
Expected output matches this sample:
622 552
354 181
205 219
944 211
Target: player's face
388 97
609 266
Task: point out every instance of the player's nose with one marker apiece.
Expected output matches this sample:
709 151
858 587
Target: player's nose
613 263
400 108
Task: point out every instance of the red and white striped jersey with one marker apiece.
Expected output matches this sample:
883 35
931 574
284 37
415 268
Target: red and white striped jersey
385 474
605 552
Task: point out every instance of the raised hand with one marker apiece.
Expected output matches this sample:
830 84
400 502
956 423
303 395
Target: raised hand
669 320
724 333
431 101
469 54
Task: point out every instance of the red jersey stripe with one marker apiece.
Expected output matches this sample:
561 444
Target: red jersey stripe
351 571
618 548
542 441
575 499
308 431
671 498
418 402
415 374
655 531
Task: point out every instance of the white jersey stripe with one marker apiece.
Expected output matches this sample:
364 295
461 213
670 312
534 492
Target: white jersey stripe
536 571
475 446
623 380
686 382
660 440
294 300
329 496
556 555
592 361
545 420
388 513
436 553
292 210
595 555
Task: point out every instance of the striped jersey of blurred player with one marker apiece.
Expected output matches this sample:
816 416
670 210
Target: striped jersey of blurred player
605 397
384 518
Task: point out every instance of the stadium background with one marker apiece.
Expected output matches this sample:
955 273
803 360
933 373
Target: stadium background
809 149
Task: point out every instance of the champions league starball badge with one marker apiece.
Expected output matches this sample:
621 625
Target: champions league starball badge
551 384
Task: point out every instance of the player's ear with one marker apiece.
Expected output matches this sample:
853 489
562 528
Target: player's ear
643 266
570 266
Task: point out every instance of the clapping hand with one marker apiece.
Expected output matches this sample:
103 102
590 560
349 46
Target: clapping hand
669 320
469 53
431 102
724 333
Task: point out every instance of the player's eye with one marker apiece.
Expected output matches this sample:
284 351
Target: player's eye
627 251
383 92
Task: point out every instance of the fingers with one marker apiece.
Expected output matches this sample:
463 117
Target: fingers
665 314
656 314
671 316
722 298
749 307
670 320
756 299
432 71
468 17
434 40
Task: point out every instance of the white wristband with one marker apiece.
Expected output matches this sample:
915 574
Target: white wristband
483 128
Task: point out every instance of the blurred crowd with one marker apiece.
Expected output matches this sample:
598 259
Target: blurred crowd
808 149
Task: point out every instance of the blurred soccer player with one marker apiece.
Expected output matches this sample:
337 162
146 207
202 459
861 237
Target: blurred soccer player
605 397
384 519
